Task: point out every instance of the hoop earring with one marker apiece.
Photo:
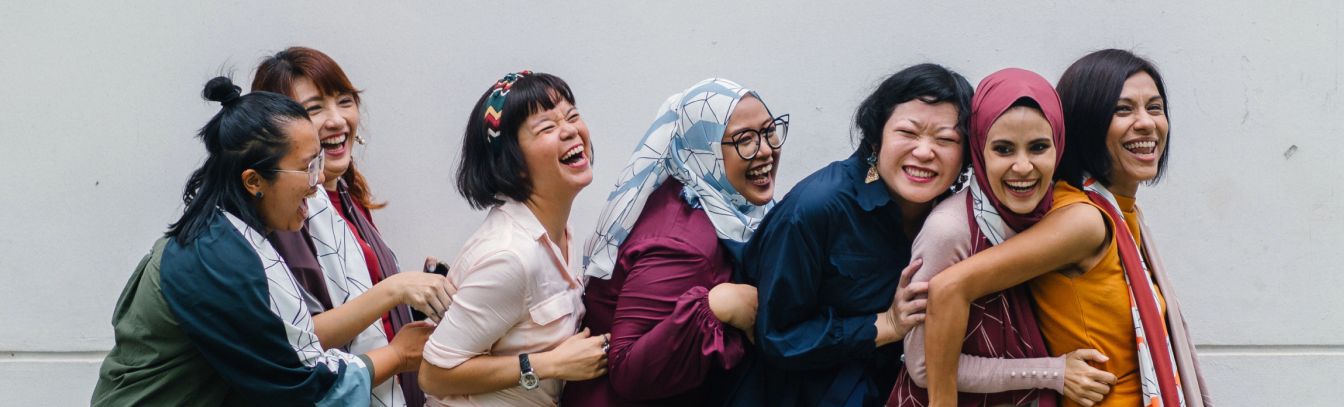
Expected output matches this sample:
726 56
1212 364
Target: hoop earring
872 169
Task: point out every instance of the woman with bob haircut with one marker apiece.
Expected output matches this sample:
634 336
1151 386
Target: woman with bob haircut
1016 141
509 338
1095 273
339 257
211 316
823 258
667 242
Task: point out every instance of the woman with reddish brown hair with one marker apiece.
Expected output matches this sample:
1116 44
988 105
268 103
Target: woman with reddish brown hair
339 257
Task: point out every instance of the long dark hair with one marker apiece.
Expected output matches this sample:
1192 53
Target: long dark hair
1089 90
278 72
246 133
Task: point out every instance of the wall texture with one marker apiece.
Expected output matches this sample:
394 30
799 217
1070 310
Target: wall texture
99 102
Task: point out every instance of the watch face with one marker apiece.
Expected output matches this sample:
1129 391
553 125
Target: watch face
529 381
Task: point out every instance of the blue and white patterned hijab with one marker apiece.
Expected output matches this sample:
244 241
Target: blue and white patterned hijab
684 142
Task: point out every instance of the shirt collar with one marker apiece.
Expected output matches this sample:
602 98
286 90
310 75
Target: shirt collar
869 195
523 217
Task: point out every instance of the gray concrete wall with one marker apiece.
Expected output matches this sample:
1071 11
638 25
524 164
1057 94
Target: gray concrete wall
99 101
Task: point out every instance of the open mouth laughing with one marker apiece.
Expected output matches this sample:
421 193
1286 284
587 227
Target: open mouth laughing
574 157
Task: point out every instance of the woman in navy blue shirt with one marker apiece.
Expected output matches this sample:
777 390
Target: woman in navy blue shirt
826 260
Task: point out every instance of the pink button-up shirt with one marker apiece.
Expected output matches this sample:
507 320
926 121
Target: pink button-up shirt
516 293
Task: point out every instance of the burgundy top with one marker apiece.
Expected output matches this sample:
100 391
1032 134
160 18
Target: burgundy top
667 348
370 257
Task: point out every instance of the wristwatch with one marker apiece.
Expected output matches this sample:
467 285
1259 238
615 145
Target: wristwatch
528 379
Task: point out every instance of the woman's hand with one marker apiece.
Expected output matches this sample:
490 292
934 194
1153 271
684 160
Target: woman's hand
1084 384
907 309
911 300
409 344
428 293
579 357
735 305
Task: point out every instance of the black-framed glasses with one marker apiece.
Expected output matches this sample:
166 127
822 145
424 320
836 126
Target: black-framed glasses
314 170
747 142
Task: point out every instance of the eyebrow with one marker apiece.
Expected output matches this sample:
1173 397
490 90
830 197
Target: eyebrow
1124 98
317 98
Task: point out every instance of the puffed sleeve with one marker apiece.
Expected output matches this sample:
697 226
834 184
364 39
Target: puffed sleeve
664 338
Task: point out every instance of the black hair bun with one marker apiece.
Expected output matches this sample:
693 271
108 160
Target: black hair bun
221 89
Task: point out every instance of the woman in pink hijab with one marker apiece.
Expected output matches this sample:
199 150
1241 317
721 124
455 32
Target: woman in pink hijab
1016 141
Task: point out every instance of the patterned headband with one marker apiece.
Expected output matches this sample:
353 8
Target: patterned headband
494 105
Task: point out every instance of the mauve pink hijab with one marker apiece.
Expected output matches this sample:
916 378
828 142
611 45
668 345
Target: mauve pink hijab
996 93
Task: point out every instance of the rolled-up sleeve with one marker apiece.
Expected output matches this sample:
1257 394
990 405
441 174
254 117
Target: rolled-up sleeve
490 299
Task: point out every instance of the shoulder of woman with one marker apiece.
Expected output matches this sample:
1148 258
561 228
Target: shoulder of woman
948 223
1083 221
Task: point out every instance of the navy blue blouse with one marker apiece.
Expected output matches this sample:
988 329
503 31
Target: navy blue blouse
826 261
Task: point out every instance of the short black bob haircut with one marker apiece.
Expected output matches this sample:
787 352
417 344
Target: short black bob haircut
246 133
491 168
1089 90
931 83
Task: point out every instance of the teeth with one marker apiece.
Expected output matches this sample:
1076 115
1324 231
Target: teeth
1140 144
573 152
334 141
919 173
761 171
1021 184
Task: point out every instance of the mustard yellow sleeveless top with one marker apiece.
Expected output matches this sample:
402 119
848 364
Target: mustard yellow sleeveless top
1092 310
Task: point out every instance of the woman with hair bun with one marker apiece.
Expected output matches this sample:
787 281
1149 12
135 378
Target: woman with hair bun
211 315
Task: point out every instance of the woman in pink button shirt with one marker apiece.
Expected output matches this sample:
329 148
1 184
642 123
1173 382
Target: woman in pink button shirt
509 337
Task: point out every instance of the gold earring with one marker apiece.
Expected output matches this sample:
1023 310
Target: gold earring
872 170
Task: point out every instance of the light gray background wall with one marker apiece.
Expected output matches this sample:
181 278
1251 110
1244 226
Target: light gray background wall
99 101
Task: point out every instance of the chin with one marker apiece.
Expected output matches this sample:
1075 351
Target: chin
760 200
580 182
919 193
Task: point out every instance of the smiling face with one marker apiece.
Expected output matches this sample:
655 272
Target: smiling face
920 156
556 150
1020 158
283 205
754 178
336 118
1137 135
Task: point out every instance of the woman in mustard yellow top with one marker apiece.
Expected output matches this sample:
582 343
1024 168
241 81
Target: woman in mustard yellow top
1083 255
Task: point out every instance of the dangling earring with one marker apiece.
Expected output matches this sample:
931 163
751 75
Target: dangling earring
359 139
872 169
259 195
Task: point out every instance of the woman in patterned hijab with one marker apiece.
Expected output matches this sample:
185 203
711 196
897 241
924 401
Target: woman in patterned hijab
696 187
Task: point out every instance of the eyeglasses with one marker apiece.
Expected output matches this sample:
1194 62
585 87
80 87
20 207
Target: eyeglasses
314 170
747 142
